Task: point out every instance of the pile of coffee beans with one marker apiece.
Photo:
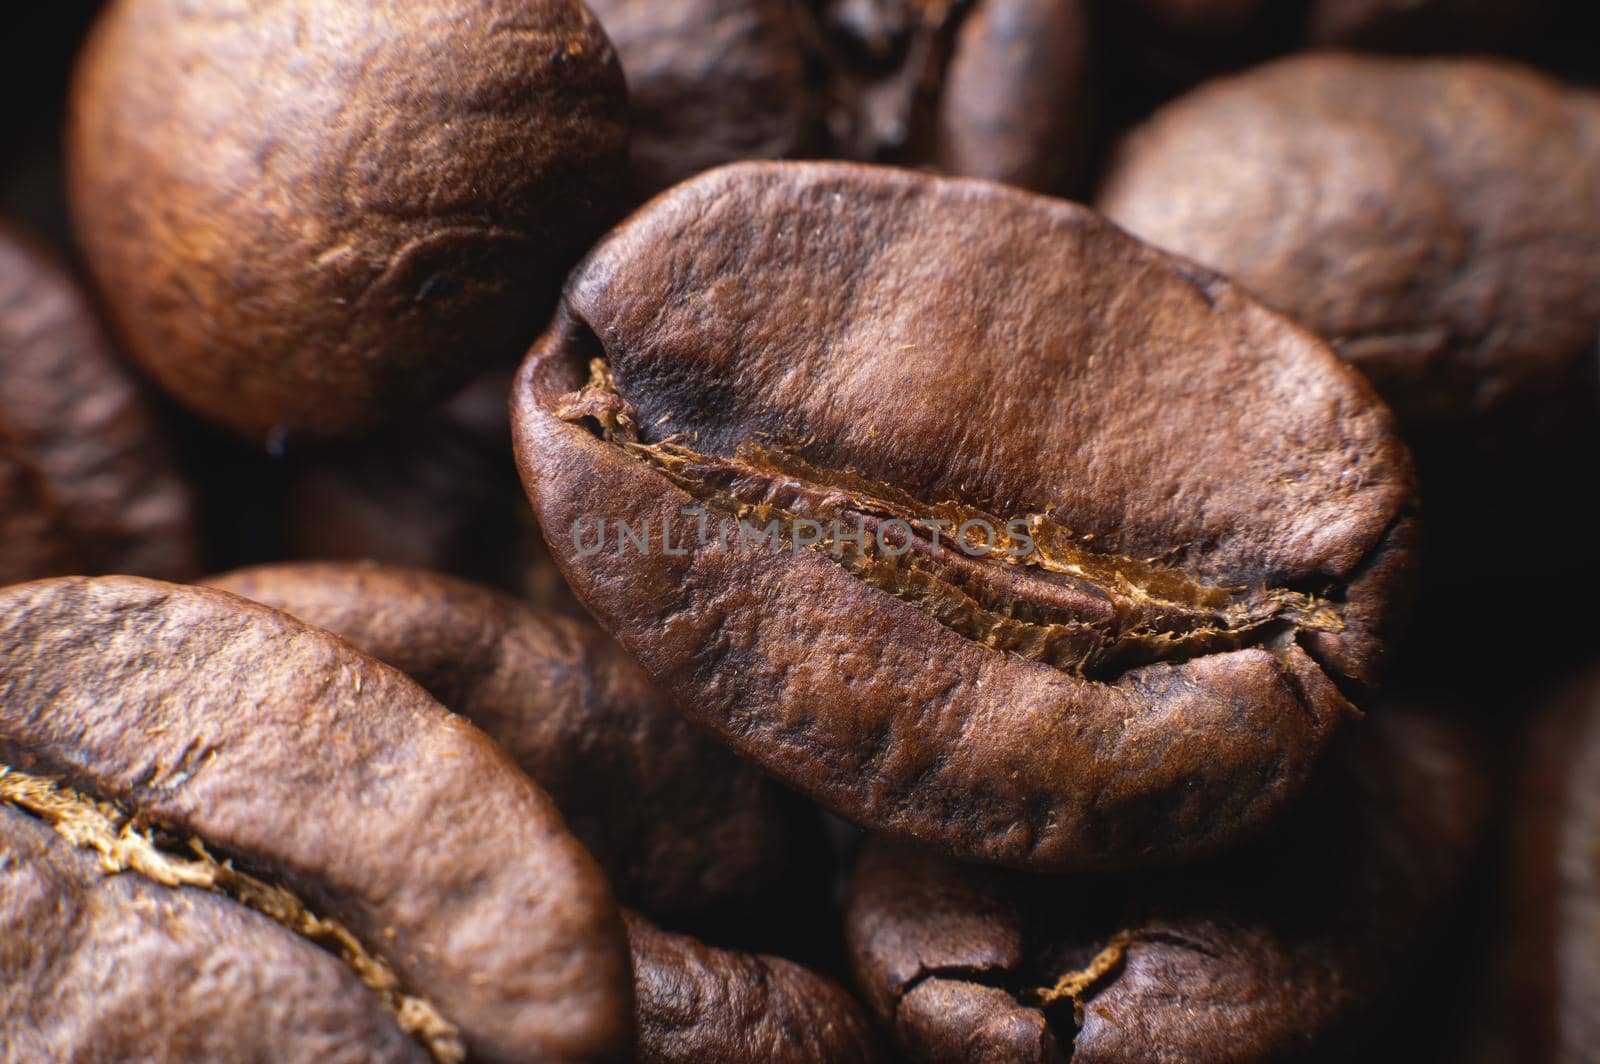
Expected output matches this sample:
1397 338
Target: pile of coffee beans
800 531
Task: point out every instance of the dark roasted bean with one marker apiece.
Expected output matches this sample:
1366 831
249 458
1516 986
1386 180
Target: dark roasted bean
1200 521
1284 951
1438 221
677 820
700 1005
307 217
87 480
206 742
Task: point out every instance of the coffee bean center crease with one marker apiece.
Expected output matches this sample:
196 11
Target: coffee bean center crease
124 844
1027 585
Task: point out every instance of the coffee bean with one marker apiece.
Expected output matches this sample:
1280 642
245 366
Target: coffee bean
990 89
678 821
994 89
199 740
697 1004
709 82
307 217
1437 221
120 967
1015 105
87 478
1199 523
439 493
1284 951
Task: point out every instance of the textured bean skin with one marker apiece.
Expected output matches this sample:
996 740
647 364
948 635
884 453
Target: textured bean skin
332 774
306 216
1438 221
101 967
701 1005
87 479
678 822
826 339
1284 952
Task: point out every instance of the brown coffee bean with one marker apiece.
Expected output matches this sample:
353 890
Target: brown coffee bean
677 820
994 89
1543 991
709 82
1284 951
1437 221
317 785
119 967
991 89
1014 105
87 479
697 1004
880 65
308 216
1071 543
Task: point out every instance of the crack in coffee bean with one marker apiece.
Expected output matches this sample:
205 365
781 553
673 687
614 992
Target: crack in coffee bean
1039 594
1292 941
1075 986
126 844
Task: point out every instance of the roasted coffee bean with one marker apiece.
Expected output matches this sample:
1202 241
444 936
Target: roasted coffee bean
993 89
697 1004
1544 990
956 507
87 478
199 740
1284 951
678 821
709 82
122 967
880 64
1437 221
1015 105
307 216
